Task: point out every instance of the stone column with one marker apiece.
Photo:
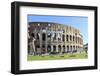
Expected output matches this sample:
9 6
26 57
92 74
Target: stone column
40 41
46 43
57 42
56 48
51 48
33 46
28 34
65 41
51 35
61 49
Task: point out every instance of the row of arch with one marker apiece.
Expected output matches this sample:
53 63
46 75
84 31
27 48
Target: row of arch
58 48
67 37
73 38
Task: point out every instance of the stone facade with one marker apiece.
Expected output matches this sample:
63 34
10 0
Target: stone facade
53 37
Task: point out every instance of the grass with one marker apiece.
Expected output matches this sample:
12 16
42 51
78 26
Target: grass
58 57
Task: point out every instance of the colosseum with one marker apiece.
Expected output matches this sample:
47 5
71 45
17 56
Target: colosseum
47 37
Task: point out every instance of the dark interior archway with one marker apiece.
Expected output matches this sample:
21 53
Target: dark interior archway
54 48
44 37
59 48
48 48
63 48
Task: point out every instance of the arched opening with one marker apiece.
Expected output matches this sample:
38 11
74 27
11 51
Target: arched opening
63 37
55 36
66 37
59 36
73 38
48 48
70 38
43 48
63 48
68 48
43 36
49 35
54 48
37 48
76 39
32 34
59 48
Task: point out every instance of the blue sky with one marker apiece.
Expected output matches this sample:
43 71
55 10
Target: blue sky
78 22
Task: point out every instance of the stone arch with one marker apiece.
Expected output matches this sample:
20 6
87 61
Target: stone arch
37 48
70 38
48 48
54 48
63 37
73 38
59 48
33 35
43 48
67 37
73 48
67 48
55 35
43 36
70 48
63 48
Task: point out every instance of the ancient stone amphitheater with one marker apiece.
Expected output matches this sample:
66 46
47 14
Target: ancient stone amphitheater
46 37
